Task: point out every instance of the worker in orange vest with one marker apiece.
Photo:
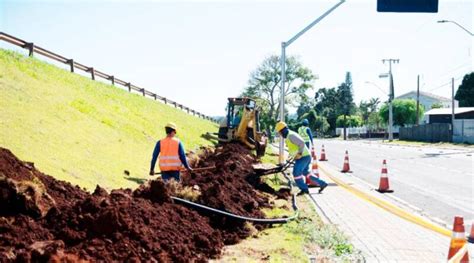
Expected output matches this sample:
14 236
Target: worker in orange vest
171 153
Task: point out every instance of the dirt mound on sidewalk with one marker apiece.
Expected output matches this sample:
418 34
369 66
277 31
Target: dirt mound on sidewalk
43 219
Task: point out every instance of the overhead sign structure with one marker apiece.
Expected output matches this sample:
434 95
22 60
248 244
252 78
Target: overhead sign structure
408 6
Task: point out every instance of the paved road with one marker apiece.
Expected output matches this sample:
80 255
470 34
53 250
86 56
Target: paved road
438 181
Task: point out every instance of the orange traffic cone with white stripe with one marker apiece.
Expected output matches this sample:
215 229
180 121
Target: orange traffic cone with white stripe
346 168
383 184
471 235
323 155
313 154
314 172
458 246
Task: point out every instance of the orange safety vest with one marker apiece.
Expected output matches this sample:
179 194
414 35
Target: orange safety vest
169 156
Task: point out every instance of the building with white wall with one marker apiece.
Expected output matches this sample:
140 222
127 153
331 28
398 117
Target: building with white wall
428 99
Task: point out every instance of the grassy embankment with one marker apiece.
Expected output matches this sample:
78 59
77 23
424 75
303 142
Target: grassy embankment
82 131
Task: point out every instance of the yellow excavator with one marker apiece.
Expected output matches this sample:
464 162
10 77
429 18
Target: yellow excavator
242 123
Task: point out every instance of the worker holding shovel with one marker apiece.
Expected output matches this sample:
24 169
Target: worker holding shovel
171 153
302 157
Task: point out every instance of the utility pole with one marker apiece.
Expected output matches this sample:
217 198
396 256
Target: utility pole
345 133
418 101
284 45
390 97
452 104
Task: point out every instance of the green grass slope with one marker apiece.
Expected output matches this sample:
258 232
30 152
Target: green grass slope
83 131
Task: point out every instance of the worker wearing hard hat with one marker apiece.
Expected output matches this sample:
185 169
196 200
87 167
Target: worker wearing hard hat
305 132
302 156
171 154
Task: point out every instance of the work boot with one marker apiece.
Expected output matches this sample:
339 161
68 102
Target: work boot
302 192
322 188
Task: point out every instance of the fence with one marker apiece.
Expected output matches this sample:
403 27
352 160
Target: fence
32 49
463 131
434 132
351 130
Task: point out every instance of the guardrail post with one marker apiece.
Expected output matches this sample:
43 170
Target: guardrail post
175 105
112 78
181 106
91 69
194 113
129 87
154 96
165 100
31 48
71 64
187 109
143 92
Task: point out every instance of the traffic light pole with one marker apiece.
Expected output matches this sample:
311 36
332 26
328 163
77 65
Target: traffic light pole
284 45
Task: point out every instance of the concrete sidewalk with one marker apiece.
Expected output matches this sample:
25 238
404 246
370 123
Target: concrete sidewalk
381 235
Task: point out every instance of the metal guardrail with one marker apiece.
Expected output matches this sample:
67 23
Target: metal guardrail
32 49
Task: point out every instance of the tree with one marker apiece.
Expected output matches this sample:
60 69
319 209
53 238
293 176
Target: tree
374 104
375 121
366 108
465 93
346 98
347 101
364 111
304 108
404 112
328 105
264 86
321 125
316 123
437 105
332 102
350 121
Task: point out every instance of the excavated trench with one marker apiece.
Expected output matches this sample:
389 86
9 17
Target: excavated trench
43 219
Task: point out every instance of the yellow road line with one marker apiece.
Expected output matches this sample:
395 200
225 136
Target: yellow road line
388 206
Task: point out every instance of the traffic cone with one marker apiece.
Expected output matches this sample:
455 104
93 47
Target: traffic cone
323 155
383 184
314 172
313 154
346 168
471 235
458 241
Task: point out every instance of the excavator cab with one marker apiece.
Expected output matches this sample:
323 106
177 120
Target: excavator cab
242 123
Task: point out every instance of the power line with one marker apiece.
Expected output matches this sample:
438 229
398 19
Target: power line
445 84
448 73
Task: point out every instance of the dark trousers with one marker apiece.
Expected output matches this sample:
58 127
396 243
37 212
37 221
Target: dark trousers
168 175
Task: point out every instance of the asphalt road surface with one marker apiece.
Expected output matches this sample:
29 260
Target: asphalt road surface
439 181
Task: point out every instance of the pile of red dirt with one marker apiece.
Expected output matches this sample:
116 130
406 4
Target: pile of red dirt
227 187
42 218
45 219
230 187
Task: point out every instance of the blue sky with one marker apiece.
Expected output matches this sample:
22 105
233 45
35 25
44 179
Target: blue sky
201 52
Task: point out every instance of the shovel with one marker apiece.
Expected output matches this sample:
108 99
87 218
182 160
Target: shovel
260 171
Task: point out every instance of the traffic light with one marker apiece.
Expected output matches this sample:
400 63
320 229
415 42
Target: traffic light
408 6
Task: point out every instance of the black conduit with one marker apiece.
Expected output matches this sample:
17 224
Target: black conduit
244 218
